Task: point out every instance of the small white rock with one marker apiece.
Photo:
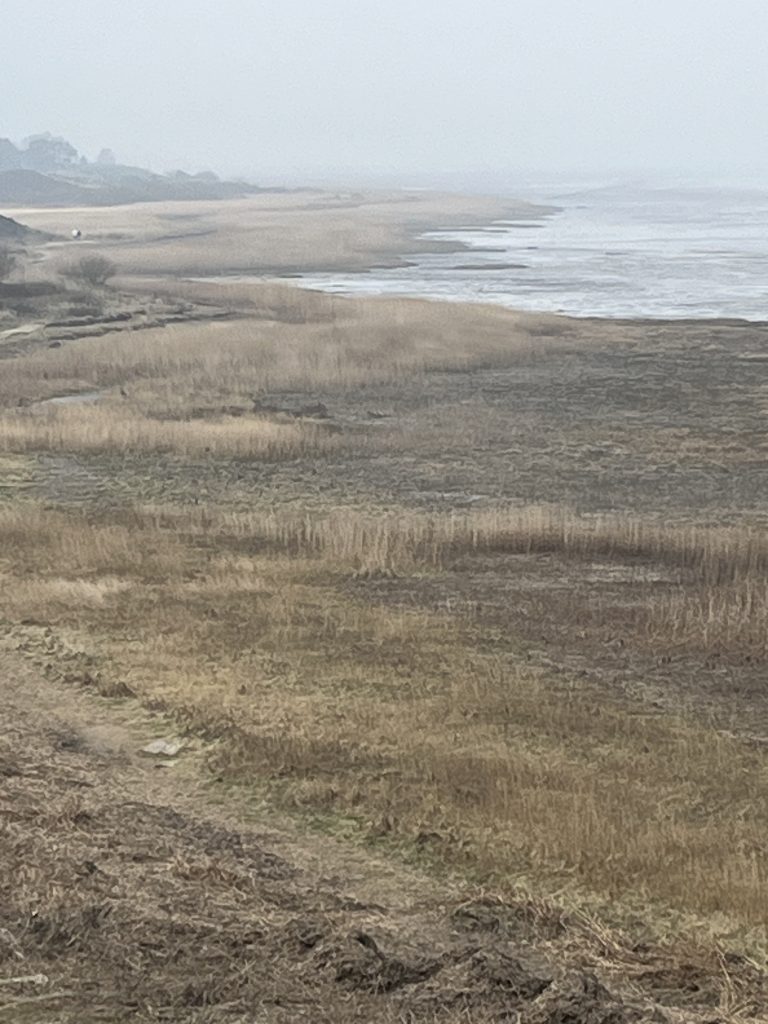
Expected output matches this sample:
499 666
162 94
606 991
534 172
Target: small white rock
163 748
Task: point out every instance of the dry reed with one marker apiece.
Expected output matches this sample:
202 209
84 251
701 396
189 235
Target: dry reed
401 540
341 345
417 727
111 429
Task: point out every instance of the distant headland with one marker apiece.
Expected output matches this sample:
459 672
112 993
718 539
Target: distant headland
47 170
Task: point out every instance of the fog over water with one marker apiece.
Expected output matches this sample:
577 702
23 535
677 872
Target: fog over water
293 90
505 96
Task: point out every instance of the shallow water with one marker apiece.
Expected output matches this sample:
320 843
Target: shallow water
78 398
608 252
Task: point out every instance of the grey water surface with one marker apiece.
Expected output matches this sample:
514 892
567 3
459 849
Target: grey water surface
608 252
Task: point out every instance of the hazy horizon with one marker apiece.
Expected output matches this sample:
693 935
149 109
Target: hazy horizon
342 90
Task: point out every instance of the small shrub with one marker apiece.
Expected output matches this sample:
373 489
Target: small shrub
94 270
7 263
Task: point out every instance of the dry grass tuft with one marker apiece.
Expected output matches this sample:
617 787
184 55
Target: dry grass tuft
398 541
110 429
418 728
338 346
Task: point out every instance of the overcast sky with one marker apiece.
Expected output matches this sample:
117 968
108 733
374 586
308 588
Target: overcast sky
292 88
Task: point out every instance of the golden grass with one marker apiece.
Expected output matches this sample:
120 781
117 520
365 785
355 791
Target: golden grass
353 343
720 603
400 540
174 375
424 728
418 726
730 619
110 429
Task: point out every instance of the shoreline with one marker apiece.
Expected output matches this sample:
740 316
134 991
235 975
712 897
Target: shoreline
667 269
273 239
277 234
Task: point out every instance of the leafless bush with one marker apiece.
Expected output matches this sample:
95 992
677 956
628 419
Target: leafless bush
7 263
93 270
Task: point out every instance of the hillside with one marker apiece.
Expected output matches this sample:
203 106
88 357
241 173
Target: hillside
13 232
27 187
49 171
31 187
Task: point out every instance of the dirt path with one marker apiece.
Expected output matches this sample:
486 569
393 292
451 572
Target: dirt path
131 889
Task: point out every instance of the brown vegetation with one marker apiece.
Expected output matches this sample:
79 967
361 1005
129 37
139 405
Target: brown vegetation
461 582
109 429
93 270
414 727
335 345
7 263
271 233
125 899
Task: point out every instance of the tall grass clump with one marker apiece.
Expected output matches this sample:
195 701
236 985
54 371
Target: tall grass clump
397 540
108 429
337 349
405 721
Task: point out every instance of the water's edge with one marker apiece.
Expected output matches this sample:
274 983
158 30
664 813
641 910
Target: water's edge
686 254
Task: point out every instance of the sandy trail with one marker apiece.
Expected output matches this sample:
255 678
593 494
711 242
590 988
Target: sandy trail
134 888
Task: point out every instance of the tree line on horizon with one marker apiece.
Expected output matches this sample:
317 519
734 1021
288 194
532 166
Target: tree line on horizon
53 154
